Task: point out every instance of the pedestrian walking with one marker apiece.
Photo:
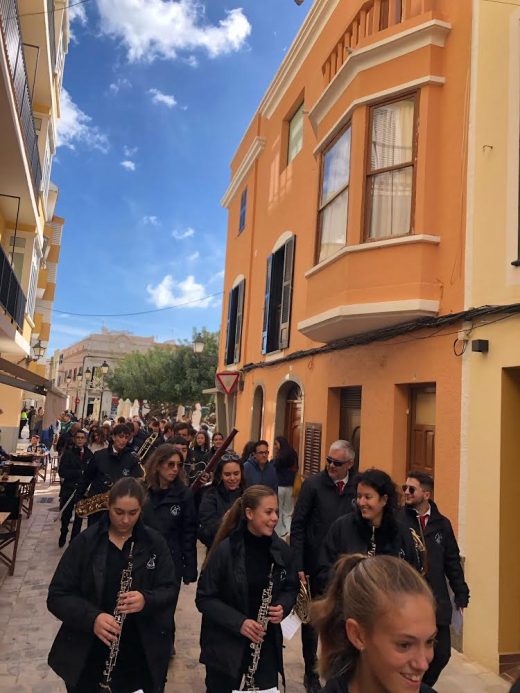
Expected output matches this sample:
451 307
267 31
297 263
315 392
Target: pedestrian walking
246 560
228 485
286 464
323 498
23 421
170 509
72 467
258 470
442 562
376 624
90 593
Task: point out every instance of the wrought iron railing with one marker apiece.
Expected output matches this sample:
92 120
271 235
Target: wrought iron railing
12 298
12 38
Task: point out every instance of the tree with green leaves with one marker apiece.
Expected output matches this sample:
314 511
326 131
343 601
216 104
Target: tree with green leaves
167 376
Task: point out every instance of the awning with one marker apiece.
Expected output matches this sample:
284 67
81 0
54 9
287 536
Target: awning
17 376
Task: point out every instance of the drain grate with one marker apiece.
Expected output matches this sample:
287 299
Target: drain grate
44 500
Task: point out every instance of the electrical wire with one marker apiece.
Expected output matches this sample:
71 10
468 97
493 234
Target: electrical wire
59 9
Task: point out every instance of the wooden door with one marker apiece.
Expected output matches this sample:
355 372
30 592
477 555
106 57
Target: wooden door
293 423
421 447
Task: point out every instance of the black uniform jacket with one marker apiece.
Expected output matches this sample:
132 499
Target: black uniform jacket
216 501
172 513
222 598
72 468
352 534
318 506
107 467
76 591
340 685
443 561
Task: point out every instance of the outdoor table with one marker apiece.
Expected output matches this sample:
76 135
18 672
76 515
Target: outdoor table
26 490
40 464
3 518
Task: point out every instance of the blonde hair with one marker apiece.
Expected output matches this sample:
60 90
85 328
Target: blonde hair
361 588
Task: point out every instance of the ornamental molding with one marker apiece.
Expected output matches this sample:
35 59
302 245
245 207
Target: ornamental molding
249 159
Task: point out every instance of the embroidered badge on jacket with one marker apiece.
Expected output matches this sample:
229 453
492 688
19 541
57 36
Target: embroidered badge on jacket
126 472
151 562
439 537
175 510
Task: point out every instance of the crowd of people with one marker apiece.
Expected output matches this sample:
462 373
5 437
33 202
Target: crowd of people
375 557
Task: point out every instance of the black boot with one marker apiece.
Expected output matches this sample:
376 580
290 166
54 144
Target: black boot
62 539
311 683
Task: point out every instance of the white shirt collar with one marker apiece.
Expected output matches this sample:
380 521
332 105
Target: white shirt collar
344 480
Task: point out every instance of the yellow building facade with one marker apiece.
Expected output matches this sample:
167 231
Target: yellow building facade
34 37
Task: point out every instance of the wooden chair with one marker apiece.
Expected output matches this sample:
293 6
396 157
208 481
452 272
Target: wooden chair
10 530
55 461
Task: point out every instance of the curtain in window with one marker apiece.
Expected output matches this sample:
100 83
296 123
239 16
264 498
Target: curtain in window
295 134
333 220
334 197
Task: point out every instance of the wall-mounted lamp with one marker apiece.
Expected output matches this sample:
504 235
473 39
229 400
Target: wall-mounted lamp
480 345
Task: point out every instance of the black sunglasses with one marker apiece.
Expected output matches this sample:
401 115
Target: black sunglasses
336 463
409 489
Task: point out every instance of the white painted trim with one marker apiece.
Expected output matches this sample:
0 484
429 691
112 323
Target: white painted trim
254 151
513 132
430 33
274 355
356 310
282 240
404 87
237 280
372 245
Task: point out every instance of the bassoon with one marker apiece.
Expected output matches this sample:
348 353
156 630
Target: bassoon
197 482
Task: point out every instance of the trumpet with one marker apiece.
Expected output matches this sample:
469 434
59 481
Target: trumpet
145 448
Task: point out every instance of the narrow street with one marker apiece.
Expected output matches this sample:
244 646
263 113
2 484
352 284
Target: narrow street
28 629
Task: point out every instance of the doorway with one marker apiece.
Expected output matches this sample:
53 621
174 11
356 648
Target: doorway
289 414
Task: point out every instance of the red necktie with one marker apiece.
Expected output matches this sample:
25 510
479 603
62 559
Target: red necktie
81 455
423 519
340 485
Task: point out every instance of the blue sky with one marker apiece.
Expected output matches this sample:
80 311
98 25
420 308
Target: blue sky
158 94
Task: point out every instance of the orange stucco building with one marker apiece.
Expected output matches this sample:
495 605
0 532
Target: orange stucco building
345 246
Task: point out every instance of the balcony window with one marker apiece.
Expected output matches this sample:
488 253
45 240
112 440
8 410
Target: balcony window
333 210
234 322
243 211
278 298
295 134
390 172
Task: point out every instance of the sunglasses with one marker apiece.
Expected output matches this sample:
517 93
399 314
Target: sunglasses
336 463
409 489
171 465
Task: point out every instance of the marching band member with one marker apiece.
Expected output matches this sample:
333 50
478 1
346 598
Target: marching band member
90 594
246 555
376 625
228 485
73 465
200 449
216 441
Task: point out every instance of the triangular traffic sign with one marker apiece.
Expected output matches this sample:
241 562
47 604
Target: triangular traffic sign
228 380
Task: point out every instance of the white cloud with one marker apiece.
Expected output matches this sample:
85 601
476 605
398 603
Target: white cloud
151 220
129 165
191 60
185 233
129 152
194 256
120 83
151 29
74 127
77 13
217 277
187 293
160 97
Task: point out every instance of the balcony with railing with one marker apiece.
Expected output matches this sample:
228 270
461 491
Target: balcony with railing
12 298
373 18
12 39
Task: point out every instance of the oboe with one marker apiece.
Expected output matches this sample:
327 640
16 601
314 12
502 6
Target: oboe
256 647
124 587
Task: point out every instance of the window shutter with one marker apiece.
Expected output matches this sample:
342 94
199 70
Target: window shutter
229 346
312 451
265 328
287 280
238 328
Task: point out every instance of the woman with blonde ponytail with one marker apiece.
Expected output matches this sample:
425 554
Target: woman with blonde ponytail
245 557
376 624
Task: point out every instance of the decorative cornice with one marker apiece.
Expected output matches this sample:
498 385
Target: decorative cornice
433 32
300 48
249 159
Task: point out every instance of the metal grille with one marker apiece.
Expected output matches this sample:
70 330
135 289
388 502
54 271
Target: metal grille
12 298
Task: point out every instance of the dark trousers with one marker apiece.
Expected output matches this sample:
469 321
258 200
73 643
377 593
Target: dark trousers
266 675
310 639
441 655
66 517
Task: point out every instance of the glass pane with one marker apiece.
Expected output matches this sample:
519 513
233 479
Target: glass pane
336 167
391 200
295 134
333 222
392 134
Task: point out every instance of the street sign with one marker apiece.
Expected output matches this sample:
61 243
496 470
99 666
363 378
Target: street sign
228 380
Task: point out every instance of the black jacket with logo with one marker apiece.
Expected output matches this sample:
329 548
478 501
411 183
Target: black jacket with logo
76 593
216 501
171 512
72 468
443 561
222 598
318 506
107 467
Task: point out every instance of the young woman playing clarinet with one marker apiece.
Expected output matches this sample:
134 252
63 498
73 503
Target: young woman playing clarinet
247 562
376 624
113 590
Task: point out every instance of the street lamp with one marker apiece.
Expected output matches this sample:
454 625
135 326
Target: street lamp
68 379
104 367
198 344
38 350
88 373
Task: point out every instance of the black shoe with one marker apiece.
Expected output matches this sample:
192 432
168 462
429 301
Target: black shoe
62 540
312 683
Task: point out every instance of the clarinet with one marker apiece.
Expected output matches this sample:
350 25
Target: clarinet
124 587
372 550
256 647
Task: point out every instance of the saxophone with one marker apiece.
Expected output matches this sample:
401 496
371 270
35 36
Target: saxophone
256 647
91 505
125 585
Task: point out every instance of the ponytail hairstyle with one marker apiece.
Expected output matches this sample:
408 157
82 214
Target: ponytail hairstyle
236 515
361 588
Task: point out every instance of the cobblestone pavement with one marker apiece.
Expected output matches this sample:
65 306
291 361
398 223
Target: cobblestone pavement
27 629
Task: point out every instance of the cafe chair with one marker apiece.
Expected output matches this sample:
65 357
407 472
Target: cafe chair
10 502
22 470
